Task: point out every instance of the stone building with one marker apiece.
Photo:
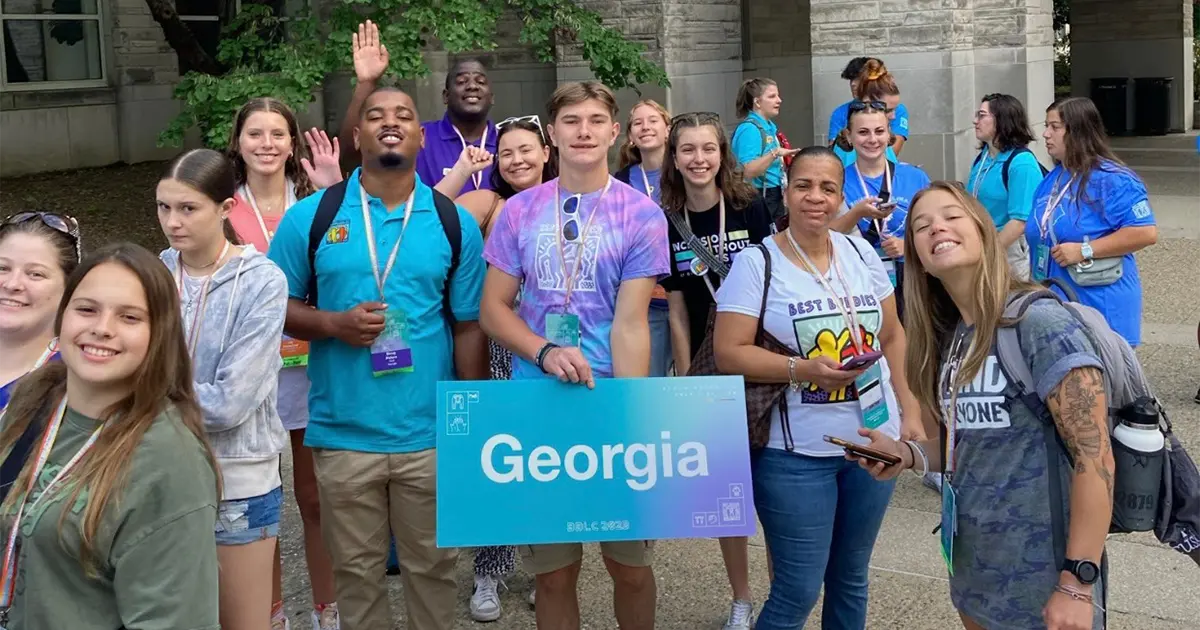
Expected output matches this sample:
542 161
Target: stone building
89 82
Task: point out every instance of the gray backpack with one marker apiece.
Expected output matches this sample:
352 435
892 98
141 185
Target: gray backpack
1178 521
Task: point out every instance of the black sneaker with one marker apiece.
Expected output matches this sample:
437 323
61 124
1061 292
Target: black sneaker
1197 397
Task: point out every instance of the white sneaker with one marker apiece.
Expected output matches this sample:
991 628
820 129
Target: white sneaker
281 623
932 480
485 601
533 597
327 619
741 613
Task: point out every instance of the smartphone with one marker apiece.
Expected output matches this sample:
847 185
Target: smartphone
883 197
864 452
887 205
862 361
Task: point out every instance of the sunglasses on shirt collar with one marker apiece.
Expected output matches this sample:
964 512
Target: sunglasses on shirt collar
58 222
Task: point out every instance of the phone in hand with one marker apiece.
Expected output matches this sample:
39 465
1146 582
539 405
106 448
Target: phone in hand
864 452
861 361
883 198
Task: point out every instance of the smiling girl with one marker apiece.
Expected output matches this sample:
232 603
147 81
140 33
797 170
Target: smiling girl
234 300
273 170
121 441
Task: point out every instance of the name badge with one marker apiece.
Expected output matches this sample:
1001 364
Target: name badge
294 352
391 353
562 329
949 526
1041 267
889 264
870 397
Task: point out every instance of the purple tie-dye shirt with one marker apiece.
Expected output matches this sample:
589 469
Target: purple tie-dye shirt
627 240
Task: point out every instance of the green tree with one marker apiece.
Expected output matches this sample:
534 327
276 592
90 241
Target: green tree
264 54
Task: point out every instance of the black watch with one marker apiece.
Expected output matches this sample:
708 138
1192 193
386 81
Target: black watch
1086 571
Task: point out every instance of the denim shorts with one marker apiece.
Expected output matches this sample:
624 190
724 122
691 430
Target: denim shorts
244 521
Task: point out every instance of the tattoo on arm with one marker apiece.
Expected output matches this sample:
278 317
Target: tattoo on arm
1080 411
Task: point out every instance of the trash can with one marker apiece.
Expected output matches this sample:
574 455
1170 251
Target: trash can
1152 105
1110 94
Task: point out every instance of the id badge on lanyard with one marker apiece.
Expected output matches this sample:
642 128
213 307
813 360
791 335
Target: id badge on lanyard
390 352
869 385
1041 257
948 389
563 329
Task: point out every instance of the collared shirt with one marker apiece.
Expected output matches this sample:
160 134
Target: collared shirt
443 145
1013 202
749 144
840 119
349 408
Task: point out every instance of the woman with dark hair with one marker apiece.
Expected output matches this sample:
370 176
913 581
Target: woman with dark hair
1090 214
110 522
756 143
524 161
828 300
882 88
704 196
274 167
1006 173
234 300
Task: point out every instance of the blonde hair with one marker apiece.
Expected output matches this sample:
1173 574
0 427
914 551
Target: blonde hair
577 92
930 316
630 154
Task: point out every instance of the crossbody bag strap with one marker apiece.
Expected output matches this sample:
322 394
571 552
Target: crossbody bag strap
714 263
762 309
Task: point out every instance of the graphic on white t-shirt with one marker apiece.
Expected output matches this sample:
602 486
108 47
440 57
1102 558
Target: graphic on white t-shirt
981 404
826 334
549 263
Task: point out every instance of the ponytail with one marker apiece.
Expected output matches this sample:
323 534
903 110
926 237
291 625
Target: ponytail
751 90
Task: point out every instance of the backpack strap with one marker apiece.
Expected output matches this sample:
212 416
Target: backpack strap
327 209
447 212
1008 163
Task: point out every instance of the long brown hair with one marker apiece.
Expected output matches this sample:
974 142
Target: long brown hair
162 383
629 153
931 316
1085 141
292 167
729 178
875 82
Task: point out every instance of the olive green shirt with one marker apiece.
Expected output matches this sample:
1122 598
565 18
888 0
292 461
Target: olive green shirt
156 547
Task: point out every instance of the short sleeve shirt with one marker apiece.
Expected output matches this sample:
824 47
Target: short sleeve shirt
755 137
1013 202
627 240
803 315
443 145
907 180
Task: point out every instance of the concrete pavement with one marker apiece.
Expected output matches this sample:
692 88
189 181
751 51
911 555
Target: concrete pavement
1153 587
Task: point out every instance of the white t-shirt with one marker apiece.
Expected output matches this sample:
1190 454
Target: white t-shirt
801 314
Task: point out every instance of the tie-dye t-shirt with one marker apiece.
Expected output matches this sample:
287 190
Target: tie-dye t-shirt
627 240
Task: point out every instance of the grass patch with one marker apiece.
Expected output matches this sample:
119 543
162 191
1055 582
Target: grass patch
113 203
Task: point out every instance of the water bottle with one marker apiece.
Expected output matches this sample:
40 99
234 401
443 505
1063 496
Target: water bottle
1139 451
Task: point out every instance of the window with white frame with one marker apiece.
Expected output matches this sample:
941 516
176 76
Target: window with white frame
51 44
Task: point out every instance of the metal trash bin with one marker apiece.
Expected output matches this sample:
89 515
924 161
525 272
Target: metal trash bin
1152 105
1110 94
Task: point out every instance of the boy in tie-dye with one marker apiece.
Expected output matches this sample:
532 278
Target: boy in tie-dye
584 252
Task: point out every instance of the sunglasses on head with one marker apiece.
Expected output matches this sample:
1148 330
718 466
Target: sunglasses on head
58 222
859 106
696 118
533 118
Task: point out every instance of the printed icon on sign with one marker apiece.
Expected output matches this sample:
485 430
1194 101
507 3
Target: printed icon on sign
458 402
473 397
735 490
713 519
458 424
698 519
731 512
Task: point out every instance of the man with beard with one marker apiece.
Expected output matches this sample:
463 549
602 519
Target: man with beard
468 98
380 343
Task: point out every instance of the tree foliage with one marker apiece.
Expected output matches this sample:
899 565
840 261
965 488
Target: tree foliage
262 54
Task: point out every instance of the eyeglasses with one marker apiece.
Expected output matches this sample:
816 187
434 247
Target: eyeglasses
59 222
570 208
533 118
859 106
696 118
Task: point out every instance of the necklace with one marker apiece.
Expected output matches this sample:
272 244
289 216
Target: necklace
224 250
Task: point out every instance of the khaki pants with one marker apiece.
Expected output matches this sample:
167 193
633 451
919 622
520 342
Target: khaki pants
361 494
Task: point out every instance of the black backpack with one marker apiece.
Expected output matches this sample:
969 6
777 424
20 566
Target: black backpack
1008 162
327 209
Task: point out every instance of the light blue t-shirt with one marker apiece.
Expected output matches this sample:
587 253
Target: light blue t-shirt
1115 198
349 408
748 146
840 118
986 182
907 181
651 177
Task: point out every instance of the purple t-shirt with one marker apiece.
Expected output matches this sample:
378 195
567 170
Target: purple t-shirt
627 240
443 145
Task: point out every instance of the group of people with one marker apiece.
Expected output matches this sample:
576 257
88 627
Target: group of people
149 398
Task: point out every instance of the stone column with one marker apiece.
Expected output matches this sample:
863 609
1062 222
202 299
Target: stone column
945 55
1138 38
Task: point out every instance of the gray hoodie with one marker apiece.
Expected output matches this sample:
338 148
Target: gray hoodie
236 366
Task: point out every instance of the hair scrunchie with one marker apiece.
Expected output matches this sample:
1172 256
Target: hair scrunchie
876 75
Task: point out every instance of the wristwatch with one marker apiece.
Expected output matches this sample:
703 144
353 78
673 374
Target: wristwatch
1086 571
1085 250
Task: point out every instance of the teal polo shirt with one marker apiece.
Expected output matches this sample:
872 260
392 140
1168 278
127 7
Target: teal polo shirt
349 408
986 182
748 146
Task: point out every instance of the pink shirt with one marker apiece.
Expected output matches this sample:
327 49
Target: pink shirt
246 224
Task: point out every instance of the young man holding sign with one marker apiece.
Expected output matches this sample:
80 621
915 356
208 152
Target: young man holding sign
372 283
584 252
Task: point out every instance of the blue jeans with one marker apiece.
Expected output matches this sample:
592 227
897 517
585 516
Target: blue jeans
660 342
820 517
245 521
